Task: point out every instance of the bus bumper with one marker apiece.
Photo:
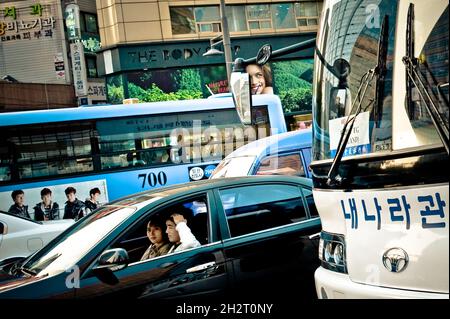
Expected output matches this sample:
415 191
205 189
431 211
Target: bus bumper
334 285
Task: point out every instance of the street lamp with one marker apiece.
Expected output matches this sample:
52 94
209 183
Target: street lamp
225 40
213 51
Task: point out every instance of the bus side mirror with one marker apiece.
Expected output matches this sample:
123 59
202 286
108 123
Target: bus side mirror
240 89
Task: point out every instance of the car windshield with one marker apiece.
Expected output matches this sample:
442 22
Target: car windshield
233 167
70 247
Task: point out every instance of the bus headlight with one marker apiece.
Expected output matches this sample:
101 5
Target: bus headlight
332 252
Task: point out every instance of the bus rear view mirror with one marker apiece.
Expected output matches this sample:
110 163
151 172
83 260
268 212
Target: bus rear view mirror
240 89
340 102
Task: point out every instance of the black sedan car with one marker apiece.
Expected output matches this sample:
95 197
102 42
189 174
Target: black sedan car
255 235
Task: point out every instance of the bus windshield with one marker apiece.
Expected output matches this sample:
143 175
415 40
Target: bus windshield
357 37
349 47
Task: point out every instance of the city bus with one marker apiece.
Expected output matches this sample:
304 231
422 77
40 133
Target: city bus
380 149
123 149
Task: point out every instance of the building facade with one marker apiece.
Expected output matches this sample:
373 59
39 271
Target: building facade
156 47
35 51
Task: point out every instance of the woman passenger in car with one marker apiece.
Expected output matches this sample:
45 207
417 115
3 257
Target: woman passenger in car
156 233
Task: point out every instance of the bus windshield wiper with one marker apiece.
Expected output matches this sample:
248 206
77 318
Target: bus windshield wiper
333 177
413 77
438 121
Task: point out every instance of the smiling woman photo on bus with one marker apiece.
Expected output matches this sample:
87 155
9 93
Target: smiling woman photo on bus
261 78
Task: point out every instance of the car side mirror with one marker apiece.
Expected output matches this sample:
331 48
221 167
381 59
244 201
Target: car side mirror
113 259
240 89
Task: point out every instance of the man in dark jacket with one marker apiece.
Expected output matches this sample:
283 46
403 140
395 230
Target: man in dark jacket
75 208
92 203
18 208
47 209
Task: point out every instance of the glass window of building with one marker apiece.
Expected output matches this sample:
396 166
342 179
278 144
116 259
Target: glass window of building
182 20
283 16
208 19
91 23
91 66
259 17
307 14
237 20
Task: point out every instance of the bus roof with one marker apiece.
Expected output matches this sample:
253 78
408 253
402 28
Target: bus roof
123 110
279 142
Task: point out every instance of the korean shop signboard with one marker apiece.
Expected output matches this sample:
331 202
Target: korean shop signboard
26 20
79 70
72 17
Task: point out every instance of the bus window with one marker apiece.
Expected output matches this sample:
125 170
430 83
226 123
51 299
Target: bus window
175 138
44 150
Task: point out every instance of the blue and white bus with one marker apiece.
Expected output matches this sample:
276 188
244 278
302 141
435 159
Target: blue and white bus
123 149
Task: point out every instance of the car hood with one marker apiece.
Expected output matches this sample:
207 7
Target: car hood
58 222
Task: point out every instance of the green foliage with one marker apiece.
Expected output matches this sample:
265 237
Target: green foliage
287 81
155 94
293 67
189 79
292 82
295 100
115 94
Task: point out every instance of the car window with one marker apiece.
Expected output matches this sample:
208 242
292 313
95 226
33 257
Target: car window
232 167
255 208
137 240
310 200
287 164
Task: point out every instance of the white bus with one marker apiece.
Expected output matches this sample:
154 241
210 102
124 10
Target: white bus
380 149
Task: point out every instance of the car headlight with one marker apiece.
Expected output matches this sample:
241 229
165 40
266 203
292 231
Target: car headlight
332 252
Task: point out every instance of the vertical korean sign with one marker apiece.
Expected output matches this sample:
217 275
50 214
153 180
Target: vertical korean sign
79 69
72 17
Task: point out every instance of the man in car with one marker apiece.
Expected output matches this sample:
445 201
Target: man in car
75 208
18 208
180 235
